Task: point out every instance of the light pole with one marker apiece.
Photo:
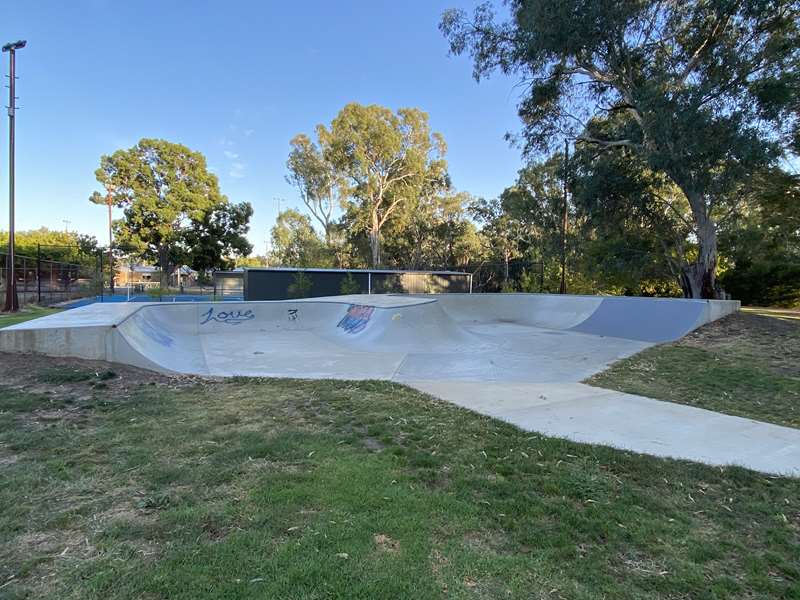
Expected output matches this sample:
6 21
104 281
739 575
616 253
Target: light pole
562 289
109 202
12 302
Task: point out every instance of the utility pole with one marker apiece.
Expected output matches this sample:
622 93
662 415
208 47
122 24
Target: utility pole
564 222
66 223
12 302
109 202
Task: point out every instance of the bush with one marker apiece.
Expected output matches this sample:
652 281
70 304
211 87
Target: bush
764 283
301 287
530 282
349 285
158 292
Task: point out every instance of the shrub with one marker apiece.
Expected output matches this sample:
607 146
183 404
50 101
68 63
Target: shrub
301 286
158 292
349 285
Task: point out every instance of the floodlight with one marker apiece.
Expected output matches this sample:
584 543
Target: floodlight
14 45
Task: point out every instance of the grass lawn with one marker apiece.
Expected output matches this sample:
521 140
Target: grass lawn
25 314
124 484
746 364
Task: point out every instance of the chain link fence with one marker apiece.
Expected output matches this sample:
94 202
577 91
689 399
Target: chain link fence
514 275
45 280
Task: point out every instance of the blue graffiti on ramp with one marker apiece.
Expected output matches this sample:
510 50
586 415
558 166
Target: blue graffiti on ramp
154 333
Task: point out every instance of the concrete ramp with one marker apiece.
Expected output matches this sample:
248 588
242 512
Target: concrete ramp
499 337
652 320
517 357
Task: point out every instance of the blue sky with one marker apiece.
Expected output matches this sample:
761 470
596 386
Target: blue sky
234 80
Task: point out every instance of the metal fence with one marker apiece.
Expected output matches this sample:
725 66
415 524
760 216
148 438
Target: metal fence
45 281
279 283
517 275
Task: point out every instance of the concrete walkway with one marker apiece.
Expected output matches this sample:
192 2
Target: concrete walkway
583 413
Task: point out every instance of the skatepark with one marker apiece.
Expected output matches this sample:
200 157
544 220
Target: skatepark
516 357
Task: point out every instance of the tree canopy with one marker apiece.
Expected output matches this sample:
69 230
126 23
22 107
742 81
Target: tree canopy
174 211
51 244
383 160
295 243
703 92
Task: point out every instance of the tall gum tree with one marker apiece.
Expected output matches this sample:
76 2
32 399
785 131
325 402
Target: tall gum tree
315 180
382 159
707 89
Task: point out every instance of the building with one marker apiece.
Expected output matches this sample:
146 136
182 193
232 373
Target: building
147 276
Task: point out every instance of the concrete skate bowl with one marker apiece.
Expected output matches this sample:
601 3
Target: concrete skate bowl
652 320
481 337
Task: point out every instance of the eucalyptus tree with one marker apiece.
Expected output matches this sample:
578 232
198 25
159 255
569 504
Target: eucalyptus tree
295 243
382 160
315 180
705 90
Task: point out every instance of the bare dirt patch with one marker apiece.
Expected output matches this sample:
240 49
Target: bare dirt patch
764 339
386 544
494 542
79 377
62 543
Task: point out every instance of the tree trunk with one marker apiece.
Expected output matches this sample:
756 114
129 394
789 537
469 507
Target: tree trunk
375 243
700 276
163 264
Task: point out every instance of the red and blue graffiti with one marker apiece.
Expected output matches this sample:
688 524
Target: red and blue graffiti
356 318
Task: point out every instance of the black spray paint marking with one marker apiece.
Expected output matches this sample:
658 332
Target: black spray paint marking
230 317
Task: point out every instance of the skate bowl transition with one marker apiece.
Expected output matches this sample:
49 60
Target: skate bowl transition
515 357
468 337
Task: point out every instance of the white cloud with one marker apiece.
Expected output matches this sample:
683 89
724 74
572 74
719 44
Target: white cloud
231 155
236 170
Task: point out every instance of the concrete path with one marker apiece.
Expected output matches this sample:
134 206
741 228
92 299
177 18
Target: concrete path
583 413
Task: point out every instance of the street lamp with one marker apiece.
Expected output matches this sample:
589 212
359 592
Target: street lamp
12 302
109 203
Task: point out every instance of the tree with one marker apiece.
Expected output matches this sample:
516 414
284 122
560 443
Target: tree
433 232
295 243
252 261
638 225
108 201
761 245
55 245
535 206
167 192
384 159
705 91
503 235
315 180
219 238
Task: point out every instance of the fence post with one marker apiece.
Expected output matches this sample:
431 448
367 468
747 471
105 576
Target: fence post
369 282
24 280
38 274
100 262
